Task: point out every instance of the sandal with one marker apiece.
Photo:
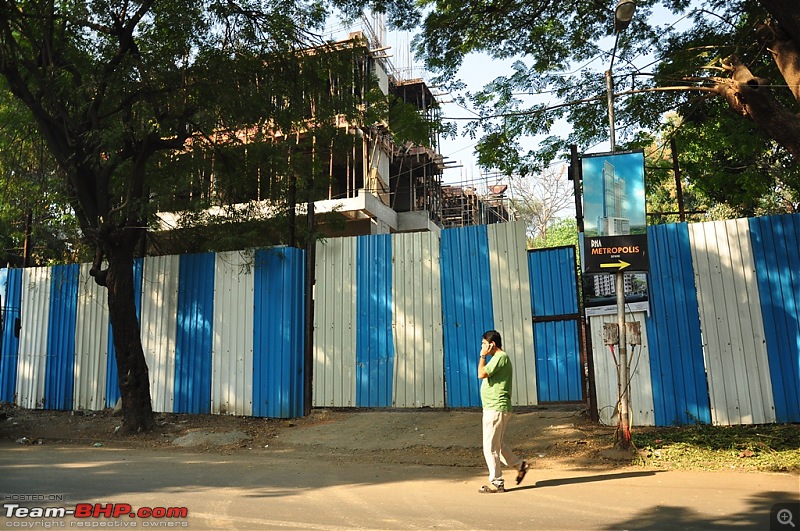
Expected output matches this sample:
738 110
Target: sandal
491 489
522 471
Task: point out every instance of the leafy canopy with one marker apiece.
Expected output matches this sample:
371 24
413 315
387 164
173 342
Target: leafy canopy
141 102
700 61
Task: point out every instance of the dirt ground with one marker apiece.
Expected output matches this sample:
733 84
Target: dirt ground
549 437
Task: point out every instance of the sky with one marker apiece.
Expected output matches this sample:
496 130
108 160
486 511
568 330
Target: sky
476 71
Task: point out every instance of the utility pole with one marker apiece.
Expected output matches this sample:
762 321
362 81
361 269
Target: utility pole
587 360
622 17
677 171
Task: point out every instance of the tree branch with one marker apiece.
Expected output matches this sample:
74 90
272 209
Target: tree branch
97 272
751 97
585 100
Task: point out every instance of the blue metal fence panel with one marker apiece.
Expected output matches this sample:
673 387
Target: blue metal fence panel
279 333
59 371
112 379
558 367
554 284
553 281
12 300
193 338
677 370
374 342
466 308
776 252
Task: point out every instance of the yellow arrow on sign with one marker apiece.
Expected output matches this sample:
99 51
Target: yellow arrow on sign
619 265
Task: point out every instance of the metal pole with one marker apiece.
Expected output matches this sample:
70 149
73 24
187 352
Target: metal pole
622 370
310 280
610 91
677 171
587 358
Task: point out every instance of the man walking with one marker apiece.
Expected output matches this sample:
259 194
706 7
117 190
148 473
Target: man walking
496 399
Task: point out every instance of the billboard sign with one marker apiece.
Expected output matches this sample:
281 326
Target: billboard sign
615 223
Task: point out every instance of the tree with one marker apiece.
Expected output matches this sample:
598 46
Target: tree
539 200
561 232
714 183
732 74
118 89
37 225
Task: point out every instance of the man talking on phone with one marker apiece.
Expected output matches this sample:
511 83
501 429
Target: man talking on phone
497 376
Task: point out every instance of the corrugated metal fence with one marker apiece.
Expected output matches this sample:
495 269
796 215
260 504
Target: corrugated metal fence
399 315
485 286
222 333
722 342
554 285
398 320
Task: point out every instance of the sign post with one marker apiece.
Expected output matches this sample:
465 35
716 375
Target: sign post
611 254
615 241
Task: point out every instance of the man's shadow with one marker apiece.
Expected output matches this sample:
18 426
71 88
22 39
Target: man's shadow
586 479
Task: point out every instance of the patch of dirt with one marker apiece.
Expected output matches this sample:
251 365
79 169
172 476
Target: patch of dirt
547 436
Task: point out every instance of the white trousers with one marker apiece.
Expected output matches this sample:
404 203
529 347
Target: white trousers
496 452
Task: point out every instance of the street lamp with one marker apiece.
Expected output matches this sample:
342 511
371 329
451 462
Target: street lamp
622 17
623 14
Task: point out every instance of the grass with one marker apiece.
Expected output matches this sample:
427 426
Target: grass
765 448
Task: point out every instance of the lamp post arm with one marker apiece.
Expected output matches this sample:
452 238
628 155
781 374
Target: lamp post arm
610 93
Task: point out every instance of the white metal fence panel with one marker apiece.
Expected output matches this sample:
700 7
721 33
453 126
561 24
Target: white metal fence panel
642 411
335 323
35 319
417 327
160 277
232 350
737 367
511 305
91 343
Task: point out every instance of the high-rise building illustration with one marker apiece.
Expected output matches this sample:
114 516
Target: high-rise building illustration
613 222
606 285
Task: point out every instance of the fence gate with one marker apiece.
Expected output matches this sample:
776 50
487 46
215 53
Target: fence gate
554 305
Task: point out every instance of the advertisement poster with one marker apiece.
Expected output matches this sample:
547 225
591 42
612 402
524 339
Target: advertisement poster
613 194
615 231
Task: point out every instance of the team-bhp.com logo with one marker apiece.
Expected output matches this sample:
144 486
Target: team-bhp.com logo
87 514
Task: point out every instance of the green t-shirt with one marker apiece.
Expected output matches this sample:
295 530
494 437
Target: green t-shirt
496 389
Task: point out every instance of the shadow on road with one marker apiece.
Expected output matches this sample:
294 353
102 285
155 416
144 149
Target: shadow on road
592 479
755 516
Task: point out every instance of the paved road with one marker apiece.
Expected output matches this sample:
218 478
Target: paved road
268 490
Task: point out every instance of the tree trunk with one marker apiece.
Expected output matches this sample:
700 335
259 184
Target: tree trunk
134 380
752 97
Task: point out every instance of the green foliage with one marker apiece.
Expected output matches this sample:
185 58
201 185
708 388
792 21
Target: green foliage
561 232
661 189
31 189
409 125
769 448
179 105
738 167
562 52
717 181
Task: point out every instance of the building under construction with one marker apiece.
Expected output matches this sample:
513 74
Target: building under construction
374 185
464 206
